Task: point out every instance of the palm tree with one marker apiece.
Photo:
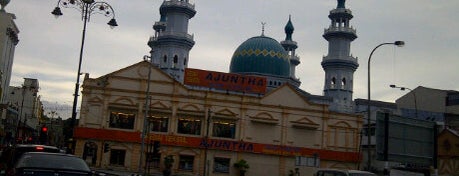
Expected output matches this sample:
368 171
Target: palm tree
242 166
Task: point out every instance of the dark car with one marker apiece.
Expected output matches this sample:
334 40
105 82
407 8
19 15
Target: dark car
10 155
52 164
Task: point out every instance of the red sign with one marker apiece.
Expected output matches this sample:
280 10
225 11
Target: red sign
217 144
225 81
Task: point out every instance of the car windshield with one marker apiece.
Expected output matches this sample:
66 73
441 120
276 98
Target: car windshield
52 161
361 174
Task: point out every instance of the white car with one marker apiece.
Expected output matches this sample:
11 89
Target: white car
338 172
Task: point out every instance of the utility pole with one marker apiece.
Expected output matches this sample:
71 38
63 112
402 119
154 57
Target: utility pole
206 138
145 120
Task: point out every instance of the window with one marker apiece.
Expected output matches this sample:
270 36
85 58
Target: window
117 157
153 160
159 123
313 161
221 165
224 128
186 162
122 119
165 59
184 61
333 82
189 125
175 61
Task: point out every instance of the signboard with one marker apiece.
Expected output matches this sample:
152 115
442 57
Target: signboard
405 140
216 144
225 81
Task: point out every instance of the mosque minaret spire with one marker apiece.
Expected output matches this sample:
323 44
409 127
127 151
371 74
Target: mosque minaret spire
290 46
339 65
171 44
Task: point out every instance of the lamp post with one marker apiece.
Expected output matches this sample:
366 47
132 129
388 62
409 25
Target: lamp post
396 43
87 8
414 96
145 129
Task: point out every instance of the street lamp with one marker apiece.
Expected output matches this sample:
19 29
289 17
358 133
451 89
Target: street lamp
87 8
396 43
414 96
145 129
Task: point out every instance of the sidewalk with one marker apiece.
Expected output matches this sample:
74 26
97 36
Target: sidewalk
120 173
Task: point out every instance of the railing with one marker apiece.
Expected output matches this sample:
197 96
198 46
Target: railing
340 29
180 3
170 33
349 58
340 10
160 23
289 42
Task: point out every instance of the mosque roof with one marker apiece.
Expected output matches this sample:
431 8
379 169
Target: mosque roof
261 55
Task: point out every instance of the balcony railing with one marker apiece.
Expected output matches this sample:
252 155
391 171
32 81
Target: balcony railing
340 10
349 58
179 3
172 34
340 29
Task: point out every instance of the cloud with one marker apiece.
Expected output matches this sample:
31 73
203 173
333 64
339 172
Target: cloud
49 48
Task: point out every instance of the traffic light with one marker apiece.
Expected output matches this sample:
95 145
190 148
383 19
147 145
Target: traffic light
106 147
44 135
44 129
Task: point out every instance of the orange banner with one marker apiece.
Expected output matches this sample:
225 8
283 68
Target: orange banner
225 81
216 144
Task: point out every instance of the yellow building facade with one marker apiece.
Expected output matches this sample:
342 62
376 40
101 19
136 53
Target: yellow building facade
208 131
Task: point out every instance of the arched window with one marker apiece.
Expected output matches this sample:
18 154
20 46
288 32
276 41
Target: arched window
165 59
174 65
333 82
343 82
184 61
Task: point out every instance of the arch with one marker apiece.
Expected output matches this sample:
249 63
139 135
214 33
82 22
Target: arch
190 107
175 61
333 82
96 99
226 112
343 82
124 100
159 105
264 115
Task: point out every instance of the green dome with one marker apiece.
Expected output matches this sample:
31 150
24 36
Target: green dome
262 55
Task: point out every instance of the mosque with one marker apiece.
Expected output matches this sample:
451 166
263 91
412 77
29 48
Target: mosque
209 122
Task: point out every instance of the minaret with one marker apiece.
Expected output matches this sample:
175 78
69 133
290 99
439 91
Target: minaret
171 44
339 65
290 46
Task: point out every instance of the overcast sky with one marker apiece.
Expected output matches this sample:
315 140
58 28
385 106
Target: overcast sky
48 49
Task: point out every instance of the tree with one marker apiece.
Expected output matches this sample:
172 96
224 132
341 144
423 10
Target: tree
168 162
242 166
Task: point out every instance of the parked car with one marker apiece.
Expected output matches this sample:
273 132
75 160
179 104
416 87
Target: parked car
360 173
338 172
41 163
10 155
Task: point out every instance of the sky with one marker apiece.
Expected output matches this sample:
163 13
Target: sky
49 48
